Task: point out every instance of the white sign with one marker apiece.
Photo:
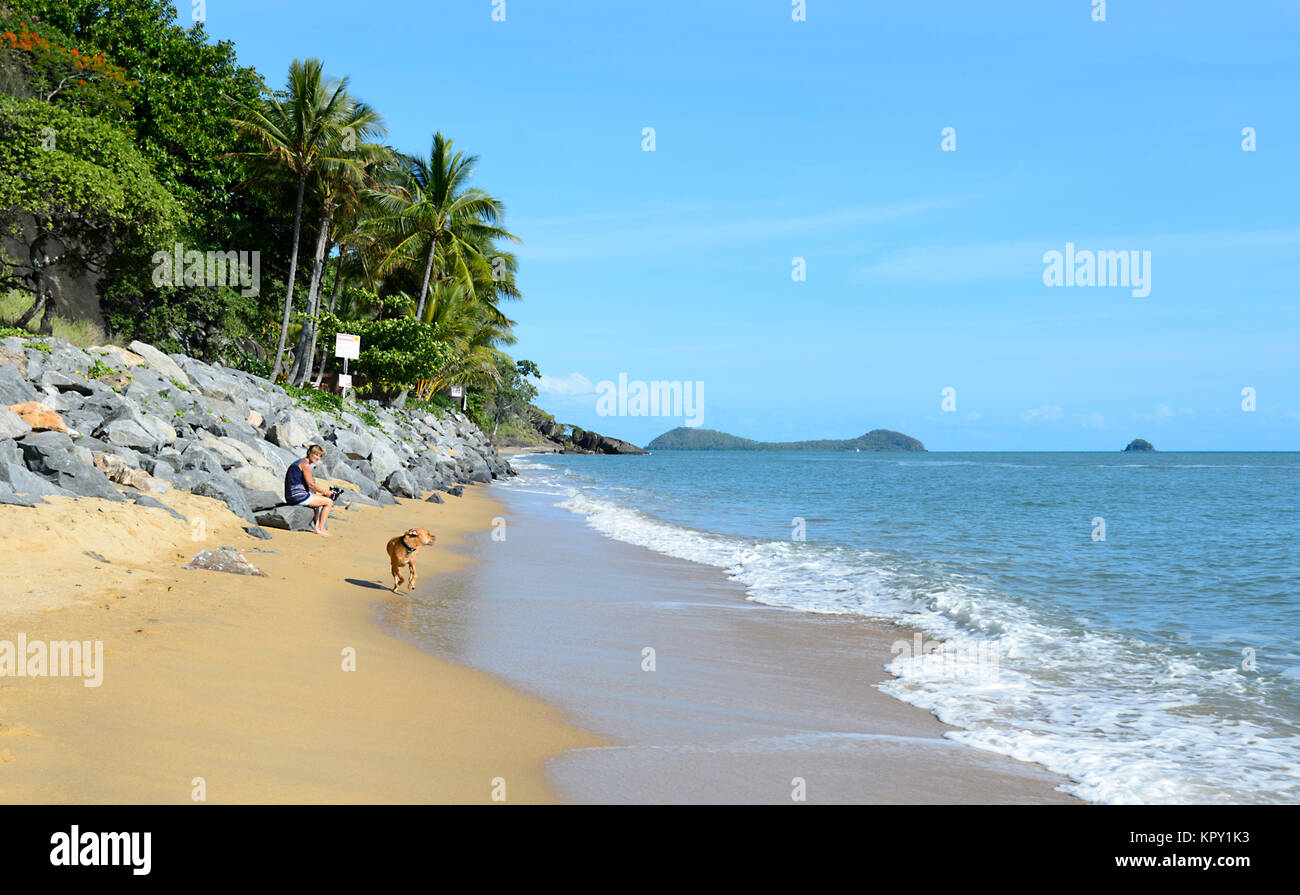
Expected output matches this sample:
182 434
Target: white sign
345 380
457 391
347 345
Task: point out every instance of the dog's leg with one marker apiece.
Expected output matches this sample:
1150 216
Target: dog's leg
411 564
397 576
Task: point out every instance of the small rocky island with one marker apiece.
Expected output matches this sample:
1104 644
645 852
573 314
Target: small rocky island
1139 444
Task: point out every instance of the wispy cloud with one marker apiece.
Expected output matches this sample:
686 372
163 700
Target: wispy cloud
1018 258
1045 412
1163 413
667 231
575 385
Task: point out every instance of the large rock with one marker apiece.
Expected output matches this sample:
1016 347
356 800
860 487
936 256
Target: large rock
162 363
15 358
288 519
160 428
127 432
118 470
261 501
400 484
23 481
10 452
53 379
189 479
39 417
71 474
14 389
222 487
384 460
351 444
257 479
10 497
223 559
12 425
116 356
288 434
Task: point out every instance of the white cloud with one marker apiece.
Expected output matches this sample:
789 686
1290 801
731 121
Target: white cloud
666 231
1162 413
1092 420
574 385
1046 412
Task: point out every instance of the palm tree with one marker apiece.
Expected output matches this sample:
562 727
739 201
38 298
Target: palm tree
340 177
427 212
473 330
300 130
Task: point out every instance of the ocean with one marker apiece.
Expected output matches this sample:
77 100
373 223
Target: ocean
1126 620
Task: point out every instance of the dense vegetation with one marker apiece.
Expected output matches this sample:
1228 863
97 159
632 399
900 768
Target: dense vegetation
1140 444
141 165
687 439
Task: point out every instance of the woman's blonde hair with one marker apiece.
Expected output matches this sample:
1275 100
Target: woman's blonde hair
315 450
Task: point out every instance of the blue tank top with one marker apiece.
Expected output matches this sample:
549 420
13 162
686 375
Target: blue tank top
295 486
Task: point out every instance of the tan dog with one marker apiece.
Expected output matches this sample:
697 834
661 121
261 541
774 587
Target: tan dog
401 552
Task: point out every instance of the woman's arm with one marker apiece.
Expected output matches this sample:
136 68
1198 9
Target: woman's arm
311 482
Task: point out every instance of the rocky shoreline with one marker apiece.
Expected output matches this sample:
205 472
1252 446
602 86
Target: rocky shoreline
582 441
131 424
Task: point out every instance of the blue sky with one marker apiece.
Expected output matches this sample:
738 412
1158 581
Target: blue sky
821 140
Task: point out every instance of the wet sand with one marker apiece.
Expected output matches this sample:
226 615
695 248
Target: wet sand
745 703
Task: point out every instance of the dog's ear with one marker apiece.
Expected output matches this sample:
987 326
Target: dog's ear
413 532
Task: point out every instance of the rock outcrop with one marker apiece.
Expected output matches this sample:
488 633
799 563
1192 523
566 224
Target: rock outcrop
158 422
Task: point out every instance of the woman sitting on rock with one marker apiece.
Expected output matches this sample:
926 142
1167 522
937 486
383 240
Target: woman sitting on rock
299 485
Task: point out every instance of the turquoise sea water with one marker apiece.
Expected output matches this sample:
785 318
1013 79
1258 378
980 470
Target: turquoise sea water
1159 664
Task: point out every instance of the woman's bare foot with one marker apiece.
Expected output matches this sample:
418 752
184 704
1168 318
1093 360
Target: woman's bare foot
323 533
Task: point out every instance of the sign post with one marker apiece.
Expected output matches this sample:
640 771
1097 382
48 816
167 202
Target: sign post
348 347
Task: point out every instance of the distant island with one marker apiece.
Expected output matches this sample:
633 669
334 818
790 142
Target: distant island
1139 444
688 439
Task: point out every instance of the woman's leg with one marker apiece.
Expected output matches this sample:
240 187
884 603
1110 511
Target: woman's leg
321 506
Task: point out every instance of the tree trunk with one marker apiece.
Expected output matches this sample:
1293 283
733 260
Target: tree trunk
428 270
38 304
301 362
293 272
315 324
334 297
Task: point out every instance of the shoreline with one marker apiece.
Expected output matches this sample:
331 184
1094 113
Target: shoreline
239 680
743 698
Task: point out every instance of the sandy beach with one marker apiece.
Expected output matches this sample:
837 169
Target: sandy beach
741 699
239 680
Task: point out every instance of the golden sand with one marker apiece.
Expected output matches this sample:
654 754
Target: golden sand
235 686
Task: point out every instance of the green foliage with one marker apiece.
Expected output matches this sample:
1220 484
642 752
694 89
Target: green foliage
183 78
99 368
167 141
315 400
395 353
80 179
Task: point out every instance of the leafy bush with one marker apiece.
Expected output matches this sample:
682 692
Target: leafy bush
395 353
